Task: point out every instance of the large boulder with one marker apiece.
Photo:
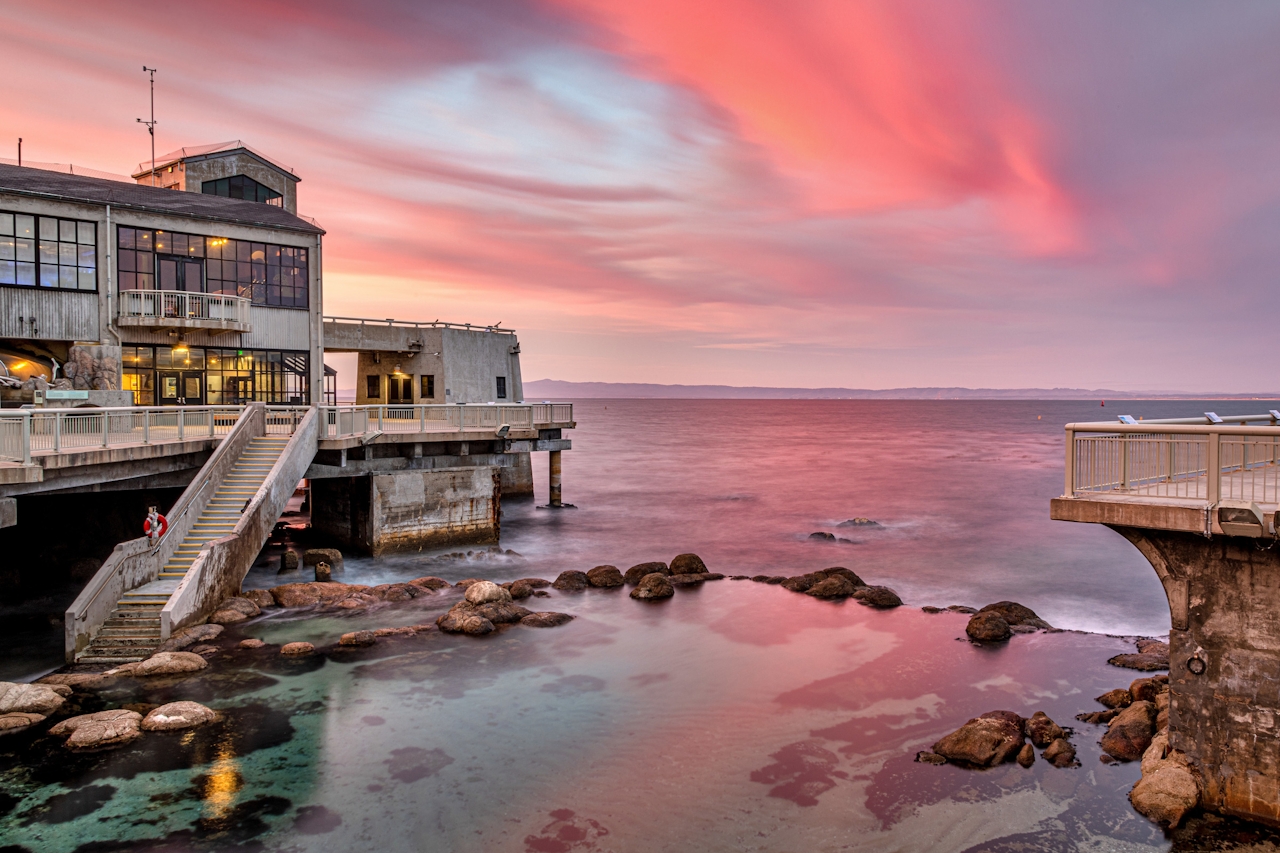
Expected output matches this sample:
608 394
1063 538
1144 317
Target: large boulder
1152 656
535 583
1118 698
687 564
1129 734
607 577
545 619
430 582
1167 789
394 592
832 587
803 583
1016 614
571 581
652 587
29 698
464 621
297 649
1060 753
985 741
163 663
486 592
358 638
844 573
502 612
877 596
311 594
637 573
235 609
260 597
1041 730
99 730
180 640
1147 689
16 721
989 627
176 716
520 590
315 556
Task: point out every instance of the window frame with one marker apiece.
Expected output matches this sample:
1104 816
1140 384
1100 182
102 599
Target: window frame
38 247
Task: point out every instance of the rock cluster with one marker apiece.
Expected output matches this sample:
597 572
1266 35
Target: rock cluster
998 622
1168 787
1000 736
344 596
487 606
23 705
653 587
1134 717
235 609
836 583
185 637
1152 656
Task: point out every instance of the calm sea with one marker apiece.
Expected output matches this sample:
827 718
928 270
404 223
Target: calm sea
736 716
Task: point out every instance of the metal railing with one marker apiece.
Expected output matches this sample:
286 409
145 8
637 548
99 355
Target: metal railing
1210 459
357 421
413 324
177 305
25 433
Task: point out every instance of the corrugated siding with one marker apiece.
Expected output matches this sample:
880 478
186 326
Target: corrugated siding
59 315
278 328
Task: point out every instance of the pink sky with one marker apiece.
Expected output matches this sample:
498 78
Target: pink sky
746 192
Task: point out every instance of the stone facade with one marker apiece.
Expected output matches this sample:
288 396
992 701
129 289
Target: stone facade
92 368
1224 677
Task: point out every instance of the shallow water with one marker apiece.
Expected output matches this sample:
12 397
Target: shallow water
737 716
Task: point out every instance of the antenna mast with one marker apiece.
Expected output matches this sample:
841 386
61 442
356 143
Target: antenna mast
151 125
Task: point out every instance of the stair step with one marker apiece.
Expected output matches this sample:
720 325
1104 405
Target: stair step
147 632
110 659
128 624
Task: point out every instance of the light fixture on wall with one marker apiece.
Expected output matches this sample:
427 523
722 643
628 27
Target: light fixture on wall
397 371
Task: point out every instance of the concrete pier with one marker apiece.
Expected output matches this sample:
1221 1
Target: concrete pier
554 468
1198 499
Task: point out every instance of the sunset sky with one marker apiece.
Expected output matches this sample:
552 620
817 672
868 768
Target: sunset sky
744 192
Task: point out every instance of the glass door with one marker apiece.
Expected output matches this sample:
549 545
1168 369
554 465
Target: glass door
400 390
180 388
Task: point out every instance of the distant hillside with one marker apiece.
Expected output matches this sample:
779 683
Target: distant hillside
548 389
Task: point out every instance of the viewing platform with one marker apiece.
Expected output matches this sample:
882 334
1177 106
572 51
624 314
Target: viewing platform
1207 475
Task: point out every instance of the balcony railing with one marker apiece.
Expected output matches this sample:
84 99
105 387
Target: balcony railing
25 433
1205 460
176 308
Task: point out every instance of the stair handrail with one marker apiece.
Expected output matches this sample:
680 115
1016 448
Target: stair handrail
205 585
138 561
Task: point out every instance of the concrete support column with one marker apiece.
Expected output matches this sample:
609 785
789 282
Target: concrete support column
555 478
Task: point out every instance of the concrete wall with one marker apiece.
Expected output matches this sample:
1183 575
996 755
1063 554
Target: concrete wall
473 360
409 510
190 175
1224 597
466 364
517 479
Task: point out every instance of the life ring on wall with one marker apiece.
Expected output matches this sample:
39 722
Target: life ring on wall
161 522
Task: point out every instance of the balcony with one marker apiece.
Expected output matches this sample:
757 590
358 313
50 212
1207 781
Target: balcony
176 309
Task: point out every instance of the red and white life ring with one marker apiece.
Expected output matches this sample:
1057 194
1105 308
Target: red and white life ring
162 522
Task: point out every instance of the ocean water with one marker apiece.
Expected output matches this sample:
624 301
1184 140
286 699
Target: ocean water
735 716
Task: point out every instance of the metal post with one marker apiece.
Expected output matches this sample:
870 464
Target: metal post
555 478
422 419
1213 470
146 426
26 438
106 428
57 434
1124 460
181 424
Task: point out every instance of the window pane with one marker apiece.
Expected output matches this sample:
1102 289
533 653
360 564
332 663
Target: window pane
8 272
146 240
85 233
128 261
26 274
24 225
48 275
25 249
161 242
146 281
6 249
48 252
127 281
88 256
67 254
48 228
125 237
67 277
242 250
66 230
6 224
88 278
258 252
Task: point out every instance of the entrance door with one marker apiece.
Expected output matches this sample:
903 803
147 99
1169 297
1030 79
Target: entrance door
241 388
400 390
180 388
177 273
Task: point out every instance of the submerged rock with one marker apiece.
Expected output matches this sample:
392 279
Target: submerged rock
40 699
926 757
163 663
545 619
832 587
652 587
1016 614
252 643
1060 753
877 596
177 716
988 628
16 721
571 581
393 592
235 609
859 522
826 537
77 679
993 738
688 564
1097 717
99 730
806 582
297 649
605 577
536 583
358 638
520 590
637 572
1130 733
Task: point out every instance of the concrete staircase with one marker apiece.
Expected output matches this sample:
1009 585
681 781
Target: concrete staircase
132 631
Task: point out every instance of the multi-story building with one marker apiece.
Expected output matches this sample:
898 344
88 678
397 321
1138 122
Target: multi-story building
208 294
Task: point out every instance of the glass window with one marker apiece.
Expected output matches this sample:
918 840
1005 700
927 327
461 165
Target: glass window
24 225
55 258
428 387
373 387
502 387
66 231
242 187
6 224
85 233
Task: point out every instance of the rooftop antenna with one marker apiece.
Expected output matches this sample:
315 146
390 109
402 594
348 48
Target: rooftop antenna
151 125
19 150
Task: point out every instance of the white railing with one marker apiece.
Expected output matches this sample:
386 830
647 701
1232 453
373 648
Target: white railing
34 432
177 305
1208 459
350 421
413 324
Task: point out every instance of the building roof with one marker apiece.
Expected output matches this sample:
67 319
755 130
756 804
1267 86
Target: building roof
79 188
205 152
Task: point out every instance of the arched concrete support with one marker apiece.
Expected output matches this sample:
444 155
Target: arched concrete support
1224 597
